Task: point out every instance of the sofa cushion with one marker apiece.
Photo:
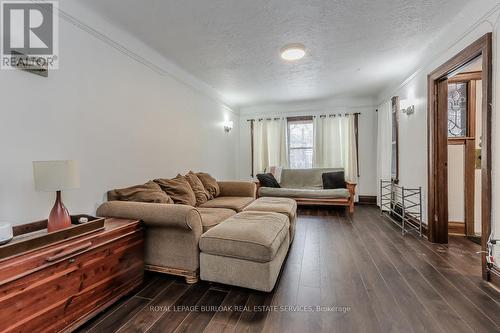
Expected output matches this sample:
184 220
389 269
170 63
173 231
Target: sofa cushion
268 180
178 189
210 217
254 236
237 189
234 203
333 180
340 193
199 190
210 184
278 205
297 178
149 192
285 206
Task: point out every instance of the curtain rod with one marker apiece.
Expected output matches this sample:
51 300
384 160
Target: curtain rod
260 119
338 114
321 116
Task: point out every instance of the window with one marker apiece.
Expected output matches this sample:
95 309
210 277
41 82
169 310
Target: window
457 110
300 142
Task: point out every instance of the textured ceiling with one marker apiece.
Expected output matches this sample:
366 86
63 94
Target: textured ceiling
355 47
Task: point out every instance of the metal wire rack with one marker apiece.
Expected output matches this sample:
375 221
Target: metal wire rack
402 206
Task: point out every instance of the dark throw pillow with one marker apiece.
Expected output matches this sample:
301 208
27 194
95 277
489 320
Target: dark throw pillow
268 180
333 180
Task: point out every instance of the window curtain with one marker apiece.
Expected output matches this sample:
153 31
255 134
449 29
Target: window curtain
335 144
384 144
270 147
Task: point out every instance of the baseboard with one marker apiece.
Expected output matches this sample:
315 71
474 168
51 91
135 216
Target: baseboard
367 200
456 228
475 239
494 276
191 276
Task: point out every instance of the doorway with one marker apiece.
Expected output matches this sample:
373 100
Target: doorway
464 151
438 138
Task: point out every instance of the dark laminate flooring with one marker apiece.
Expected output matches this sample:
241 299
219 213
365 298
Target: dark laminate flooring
343 274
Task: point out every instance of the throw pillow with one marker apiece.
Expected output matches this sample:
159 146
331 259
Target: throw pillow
178 189
268 180
333 180
149 192
210 184
199 190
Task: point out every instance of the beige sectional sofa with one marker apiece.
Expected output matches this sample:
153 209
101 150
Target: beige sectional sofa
232 238
305 186
173 231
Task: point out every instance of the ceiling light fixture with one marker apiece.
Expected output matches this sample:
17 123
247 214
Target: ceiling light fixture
293 52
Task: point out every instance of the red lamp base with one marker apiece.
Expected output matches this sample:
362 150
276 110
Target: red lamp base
59 216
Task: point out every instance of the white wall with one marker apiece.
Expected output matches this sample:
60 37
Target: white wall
367 132
456 183
125 122
478 176
477 19
456 174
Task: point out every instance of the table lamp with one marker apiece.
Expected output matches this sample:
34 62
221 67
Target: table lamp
56 176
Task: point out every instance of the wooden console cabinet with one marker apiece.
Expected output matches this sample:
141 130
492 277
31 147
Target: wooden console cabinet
59 286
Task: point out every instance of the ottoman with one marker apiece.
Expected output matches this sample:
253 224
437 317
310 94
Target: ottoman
246 250
278 205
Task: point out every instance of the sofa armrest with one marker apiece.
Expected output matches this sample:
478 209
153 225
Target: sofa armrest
237 189
351 187
153 214
258 185
352 192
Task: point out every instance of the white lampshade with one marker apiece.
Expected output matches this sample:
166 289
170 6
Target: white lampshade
51 176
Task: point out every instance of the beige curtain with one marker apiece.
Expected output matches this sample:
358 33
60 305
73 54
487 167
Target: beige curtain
270 148
384 143
335 144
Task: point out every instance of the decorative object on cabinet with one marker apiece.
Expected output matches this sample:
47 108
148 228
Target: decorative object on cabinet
5 233
56 176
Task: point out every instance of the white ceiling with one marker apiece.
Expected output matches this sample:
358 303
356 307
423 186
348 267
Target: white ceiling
355 47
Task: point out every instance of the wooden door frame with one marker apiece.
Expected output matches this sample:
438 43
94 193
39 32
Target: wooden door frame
438 147
469 145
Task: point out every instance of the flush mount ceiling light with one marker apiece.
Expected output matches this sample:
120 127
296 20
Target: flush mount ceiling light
293 52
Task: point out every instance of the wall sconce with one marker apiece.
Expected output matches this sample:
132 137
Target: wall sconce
409 110
228 126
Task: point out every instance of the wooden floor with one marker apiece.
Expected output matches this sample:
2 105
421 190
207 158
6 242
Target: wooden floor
343 274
